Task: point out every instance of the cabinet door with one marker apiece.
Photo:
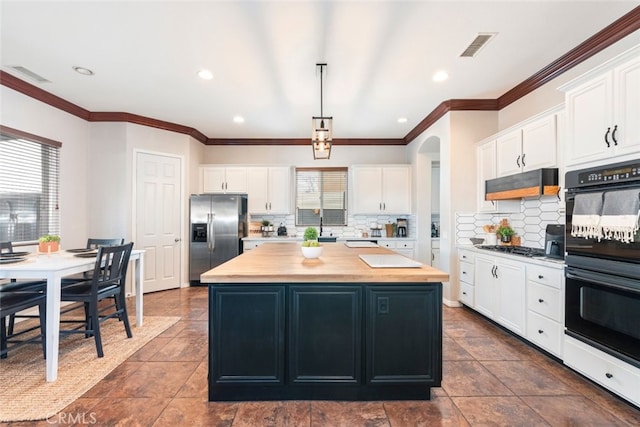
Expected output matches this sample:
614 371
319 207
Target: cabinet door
435 190
404 339
257 190
213 180
486 156
589 114
435 258
512 305
485 291
236 180
325 341
246 336
509 154
396 189
627 107
539 144
367 189
280 190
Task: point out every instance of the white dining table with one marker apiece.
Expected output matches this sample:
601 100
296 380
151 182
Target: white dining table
53 267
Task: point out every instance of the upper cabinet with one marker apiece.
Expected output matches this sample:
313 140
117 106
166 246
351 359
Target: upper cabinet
486 157
269 190
218 179
533 146
381 189
603 112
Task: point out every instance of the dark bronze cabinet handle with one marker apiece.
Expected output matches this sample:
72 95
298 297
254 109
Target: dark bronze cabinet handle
523 163
540 331
608 375
606 137
518 161
540 300
613 135
540 276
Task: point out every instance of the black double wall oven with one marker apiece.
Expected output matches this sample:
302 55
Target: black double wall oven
603 275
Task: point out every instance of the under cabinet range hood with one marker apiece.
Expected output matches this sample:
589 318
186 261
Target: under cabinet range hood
539 182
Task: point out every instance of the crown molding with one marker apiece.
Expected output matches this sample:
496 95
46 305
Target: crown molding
300 141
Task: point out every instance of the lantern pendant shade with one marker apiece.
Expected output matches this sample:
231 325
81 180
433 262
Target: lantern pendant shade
321 137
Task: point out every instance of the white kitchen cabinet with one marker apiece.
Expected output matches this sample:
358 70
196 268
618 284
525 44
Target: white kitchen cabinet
529 147
269 190
435 190
486 160
381 189
466 277
435 253
603 110
402 246
545 307
606 370
218 179
500 291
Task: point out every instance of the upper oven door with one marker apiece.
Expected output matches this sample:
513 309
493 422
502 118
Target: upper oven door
605 249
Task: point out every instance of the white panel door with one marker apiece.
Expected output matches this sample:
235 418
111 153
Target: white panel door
158 213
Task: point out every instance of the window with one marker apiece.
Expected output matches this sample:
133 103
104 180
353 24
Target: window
29 186
321 193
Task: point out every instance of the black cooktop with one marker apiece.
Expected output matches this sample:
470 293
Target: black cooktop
515 250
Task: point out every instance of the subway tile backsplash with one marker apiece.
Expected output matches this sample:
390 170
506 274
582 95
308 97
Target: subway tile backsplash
530 223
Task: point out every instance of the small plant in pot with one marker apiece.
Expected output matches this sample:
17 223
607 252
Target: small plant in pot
505 232
310 246
266 227
49 243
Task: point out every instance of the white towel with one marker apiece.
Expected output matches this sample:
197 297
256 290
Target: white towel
620 212
585 220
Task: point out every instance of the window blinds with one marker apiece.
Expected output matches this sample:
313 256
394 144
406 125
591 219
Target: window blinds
29 189
321 192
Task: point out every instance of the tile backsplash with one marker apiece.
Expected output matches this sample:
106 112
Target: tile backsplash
354 222
530 223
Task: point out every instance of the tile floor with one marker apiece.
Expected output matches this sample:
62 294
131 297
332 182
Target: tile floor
489 378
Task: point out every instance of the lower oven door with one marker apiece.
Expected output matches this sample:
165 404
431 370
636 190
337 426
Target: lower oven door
603 310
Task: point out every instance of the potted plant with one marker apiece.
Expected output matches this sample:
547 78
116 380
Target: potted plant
266 227
505 232
49 243
310 246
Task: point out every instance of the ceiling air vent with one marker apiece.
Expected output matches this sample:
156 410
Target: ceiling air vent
478 43
27 72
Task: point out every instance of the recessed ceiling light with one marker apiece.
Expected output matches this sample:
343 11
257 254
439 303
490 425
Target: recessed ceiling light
402 120
205 74
238 119
83 71
440 76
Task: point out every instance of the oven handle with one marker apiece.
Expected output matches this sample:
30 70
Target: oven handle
607 280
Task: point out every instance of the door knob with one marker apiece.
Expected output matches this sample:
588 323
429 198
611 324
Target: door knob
177 239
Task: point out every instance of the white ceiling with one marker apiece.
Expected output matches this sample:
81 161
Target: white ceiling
381 56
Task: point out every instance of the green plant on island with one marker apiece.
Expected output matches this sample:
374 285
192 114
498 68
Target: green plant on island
505 231
49 238
310 237
266 223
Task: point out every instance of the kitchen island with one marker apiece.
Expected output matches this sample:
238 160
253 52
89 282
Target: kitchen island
285 327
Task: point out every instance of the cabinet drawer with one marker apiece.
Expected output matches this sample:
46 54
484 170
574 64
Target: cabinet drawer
606 370
248 245
466 272
465 255
466 294
405 245
546 275
545 333
544 300
387 244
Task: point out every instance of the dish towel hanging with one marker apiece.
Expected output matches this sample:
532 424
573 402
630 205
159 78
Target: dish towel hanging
585 221
620 212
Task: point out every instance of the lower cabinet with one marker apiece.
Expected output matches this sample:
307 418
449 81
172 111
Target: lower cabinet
325 341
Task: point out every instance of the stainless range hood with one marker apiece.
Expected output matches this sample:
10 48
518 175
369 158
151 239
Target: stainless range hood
539 182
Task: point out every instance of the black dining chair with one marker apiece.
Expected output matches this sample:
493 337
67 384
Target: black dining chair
15 302
107 282
92 243
13 285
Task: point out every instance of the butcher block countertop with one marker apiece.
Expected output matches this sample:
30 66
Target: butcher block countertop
284 263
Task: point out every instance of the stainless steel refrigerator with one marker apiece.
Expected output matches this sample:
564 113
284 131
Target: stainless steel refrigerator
218 224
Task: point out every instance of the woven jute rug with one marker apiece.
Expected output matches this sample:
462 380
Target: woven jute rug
24 392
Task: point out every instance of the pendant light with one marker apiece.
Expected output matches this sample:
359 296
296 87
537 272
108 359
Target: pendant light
321 129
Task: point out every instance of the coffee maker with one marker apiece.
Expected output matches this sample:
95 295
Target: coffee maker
401 229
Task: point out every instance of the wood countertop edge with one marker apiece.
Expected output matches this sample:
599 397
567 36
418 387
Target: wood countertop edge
284 264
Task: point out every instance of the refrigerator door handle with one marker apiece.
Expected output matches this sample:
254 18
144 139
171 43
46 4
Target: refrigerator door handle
212 241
